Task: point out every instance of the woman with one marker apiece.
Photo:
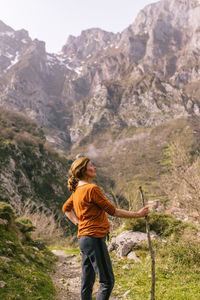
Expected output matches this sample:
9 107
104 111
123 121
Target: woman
91 206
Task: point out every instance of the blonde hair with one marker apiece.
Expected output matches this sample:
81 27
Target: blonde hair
76 172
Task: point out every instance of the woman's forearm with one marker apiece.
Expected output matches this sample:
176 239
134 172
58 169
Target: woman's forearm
73 218
121 213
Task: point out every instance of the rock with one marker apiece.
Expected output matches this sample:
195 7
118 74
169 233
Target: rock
2 283
59 253
5 259
112 245
126 293
10 242
3 222
133 256
128 239
35 248
128 266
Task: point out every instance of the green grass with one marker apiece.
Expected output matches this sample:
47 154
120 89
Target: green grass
177 257
26 281
27 275
174 280
24 268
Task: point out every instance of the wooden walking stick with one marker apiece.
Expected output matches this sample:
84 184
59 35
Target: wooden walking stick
150 249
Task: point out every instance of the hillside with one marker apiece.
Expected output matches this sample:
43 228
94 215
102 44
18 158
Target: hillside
25 264
31 170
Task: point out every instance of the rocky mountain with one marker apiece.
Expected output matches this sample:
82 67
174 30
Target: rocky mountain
107 92
144 76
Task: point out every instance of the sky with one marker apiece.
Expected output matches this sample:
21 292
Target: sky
53 21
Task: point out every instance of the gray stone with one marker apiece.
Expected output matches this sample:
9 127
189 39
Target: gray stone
128 266
2 283
133 256
128 239
5 259
3 222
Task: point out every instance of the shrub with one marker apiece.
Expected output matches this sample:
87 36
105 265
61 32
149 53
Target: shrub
182 251
40 219
25 224
163 224
7 212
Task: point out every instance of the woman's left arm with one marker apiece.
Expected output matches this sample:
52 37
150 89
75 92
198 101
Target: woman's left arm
73 218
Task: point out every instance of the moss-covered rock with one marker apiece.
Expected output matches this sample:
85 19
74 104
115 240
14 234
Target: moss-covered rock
24 224
7 212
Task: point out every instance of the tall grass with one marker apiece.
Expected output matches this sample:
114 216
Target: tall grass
47 228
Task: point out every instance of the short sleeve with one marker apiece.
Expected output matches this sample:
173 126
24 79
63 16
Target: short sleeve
99 199
68 205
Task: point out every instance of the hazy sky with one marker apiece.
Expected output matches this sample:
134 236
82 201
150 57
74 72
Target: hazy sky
53 21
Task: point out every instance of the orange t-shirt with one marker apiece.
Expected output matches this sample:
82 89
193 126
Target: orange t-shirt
90 206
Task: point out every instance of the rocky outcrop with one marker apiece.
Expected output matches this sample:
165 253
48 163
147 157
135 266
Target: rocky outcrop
12 46
128 240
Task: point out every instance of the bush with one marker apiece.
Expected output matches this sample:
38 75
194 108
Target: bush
24 224
182 251
38 220
7 212
163 224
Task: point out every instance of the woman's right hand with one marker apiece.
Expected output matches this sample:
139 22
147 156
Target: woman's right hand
143 212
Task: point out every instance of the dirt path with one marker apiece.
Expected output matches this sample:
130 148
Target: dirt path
67 278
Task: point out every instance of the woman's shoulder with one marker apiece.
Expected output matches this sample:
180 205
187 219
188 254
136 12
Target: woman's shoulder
88 186
93 186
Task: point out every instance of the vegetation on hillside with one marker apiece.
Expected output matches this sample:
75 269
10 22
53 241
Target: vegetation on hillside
25 264
182 182
33 175
139 156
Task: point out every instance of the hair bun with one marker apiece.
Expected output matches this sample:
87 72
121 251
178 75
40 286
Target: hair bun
72 183
77 171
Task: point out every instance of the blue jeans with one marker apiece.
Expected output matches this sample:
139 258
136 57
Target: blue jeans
95 260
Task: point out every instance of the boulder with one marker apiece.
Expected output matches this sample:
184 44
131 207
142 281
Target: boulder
126 240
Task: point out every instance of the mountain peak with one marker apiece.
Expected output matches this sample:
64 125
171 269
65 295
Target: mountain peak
88 43
4 27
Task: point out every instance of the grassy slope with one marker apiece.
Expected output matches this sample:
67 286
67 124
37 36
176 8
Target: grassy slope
24 267
176 259
174 280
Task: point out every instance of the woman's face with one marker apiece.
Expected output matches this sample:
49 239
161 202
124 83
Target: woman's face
90 171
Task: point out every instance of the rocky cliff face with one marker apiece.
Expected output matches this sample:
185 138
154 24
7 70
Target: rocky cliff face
142 77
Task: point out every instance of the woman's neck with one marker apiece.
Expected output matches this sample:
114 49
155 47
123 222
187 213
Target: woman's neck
84 181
